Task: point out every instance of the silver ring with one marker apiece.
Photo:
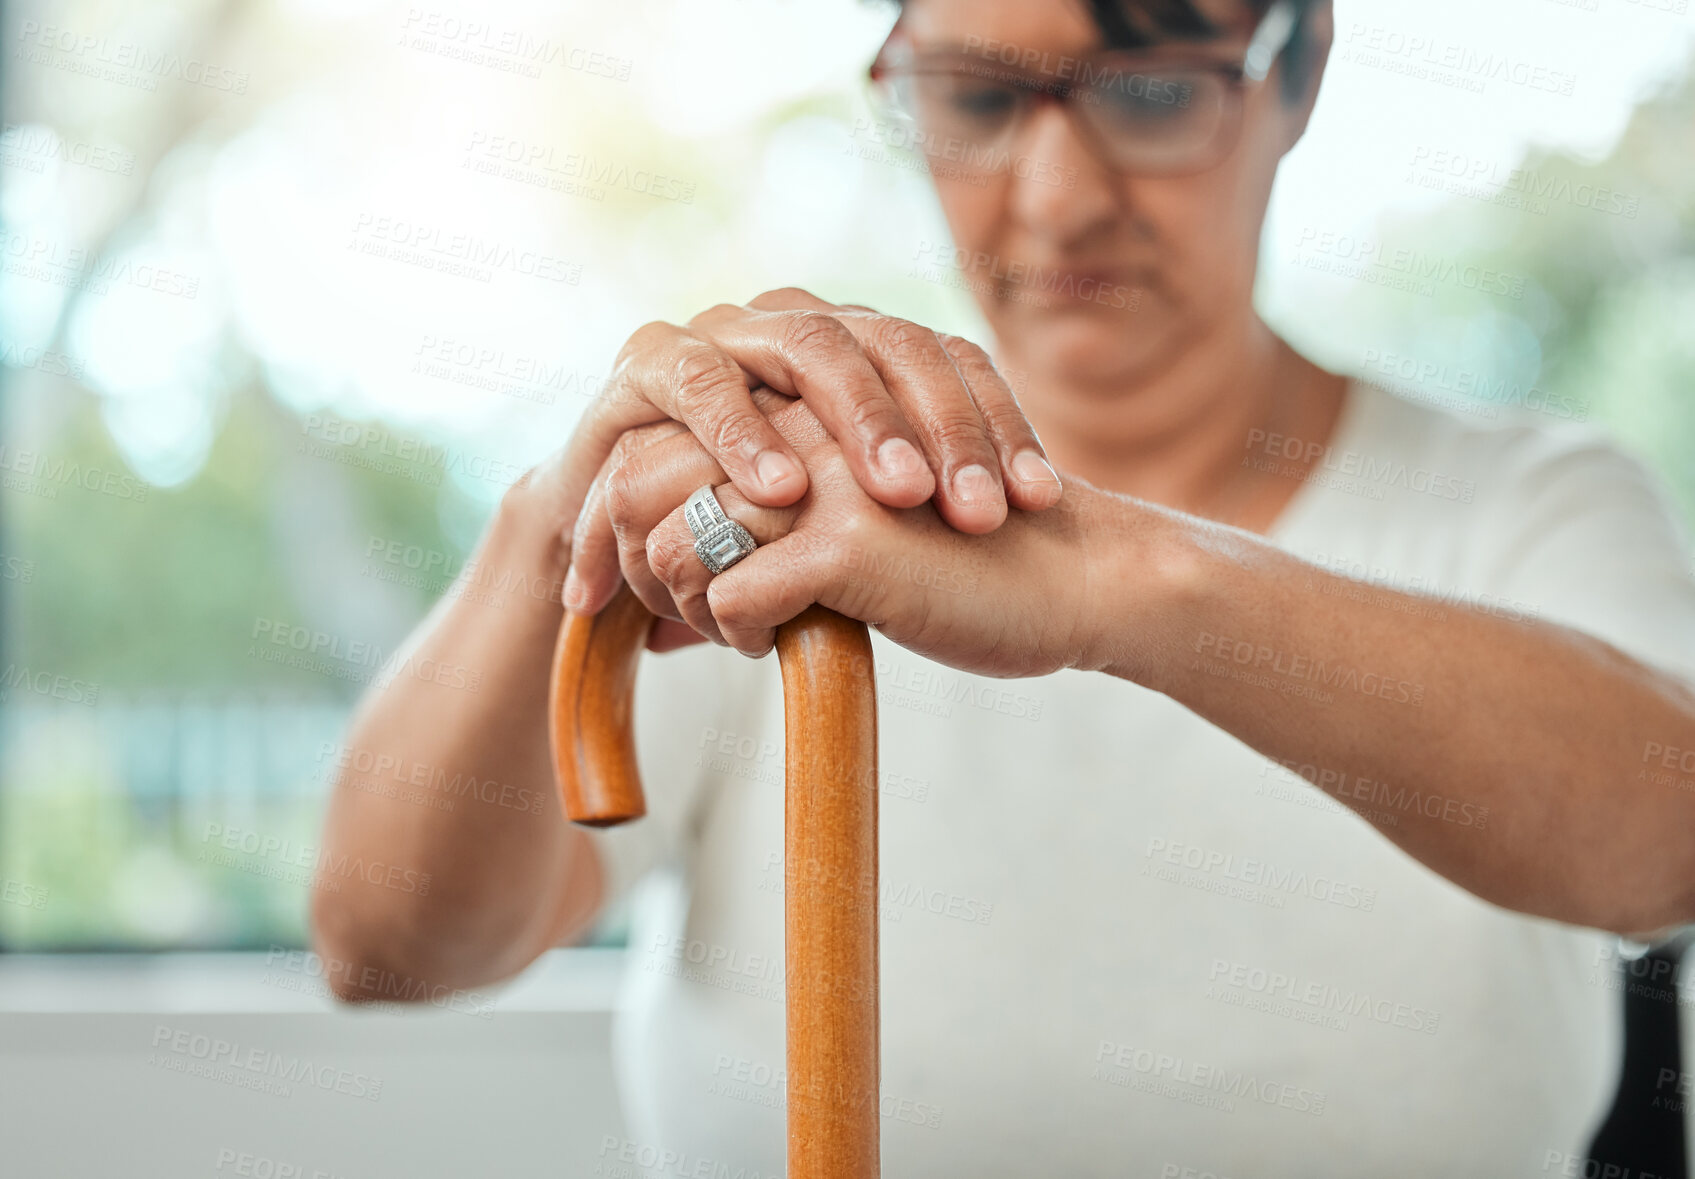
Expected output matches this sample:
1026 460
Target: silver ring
719 541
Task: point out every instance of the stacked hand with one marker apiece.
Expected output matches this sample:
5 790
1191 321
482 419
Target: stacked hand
958 580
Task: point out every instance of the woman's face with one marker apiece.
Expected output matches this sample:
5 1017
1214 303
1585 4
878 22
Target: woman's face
1151 263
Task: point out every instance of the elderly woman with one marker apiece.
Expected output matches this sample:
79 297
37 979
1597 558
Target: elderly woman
1200 853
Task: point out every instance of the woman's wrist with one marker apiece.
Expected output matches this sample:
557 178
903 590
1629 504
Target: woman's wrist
529 532
1149 572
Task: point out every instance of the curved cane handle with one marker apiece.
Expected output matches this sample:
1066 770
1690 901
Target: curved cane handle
830 848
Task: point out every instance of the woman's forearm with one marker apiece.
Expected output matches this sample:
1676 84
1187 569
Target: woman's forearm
446 774
1506 755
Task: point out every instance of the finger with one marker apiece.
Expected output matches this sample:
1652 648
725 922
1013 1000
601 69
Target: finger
939 399
766 588
696 381
673 560
931 390
595 573
796 344
1032 483
607 544
652 483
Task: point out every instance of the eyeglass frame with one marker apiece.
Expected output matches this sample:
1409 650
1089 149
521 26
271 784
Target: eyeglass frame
1270 38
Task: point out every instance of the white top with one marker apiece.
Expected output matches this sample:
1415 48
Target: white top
1115 940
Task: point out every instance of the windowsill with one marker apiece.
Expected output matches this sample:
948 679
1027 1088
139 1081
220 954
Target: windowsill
576 980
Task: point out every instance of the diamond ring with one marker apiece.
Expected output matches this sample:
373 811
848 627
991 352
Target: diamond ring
719 541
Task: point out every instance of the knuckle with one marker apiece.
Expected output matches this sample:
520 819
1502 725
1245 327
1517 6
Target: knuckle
701 376
716 312
649 335
957 433
906 340
782 297
622 494
665 555
806 332
965 351
729 608
735 433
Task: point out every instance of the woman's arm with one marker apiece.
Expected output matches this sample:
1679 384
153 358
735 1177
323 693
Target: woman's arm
1544 728
917 414
509 877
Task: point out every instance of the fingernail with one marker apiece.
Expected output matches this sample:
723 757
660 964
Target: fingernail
899 457
574 593
774 468
974 484
1031 467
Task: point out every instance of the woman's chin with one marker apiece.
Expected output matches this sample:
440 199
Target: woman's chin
1087 346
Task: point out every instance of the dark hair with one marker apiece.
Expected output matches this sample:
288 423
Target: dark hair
1135 24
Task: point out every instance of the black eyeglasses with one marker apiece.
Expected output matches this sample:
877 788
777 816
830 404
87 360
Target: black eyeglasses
1148 111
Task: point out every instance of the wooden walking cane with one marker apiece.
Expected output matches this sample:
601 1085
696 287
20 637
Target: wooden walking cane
829 857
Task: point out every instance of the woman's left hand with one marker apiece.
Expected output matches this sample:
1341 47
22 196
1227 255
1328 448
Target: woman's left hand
1012 603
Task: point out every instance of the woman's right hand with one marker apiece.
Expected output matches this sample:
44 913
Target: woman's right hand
917 414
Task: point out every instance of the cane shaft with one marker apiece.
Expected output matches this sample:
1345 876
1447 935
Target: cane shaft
830 848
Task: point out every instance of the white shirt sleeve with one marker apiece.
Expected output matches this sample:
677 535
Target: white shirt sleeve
1590 538
685 701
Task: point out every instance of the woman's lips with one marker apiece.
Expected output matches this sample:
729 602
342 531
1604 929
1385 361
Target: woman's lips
1115 286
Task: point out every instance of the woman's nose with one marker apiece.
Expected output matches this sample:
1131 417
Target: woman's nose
1060 189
